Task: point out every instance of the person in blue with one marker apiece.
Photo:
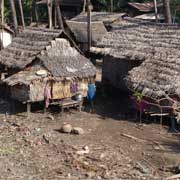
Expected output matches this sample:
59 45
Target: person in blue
91 94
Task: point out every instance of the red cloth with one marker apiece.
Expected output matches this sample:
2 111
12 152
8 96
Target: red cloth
47 96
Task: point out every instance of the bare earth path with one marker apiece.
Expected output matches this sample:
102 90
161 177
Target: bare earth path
34 149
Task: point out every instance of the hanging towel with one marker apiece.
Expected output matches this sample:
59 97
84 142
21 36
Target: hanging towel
47 96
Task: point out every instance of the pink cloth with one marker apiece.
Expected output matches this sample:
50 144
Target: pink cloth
140 105
47 96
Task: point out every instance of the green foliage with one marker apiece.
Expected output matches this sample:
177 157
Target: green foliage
138 96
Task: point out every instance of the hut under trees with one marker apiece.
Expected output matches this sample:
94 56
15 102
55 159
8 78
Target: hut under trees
100 23
44 65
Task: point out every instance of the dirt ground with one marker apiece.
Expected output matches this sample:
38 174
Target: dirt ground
118 148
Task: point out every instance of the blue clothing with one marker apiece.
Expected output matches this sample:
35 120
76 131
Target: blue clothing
91 91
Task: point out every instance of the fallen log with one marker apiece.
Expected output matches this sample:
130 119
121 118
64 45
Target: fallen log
173 177
133 137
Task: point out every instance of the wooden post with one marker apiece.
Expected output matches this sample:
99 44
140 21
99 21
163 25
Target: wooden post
13 9
49 6
60 21
35 9
167 11
84 6
89 34
2 12
21 12
155 10
112 8
28 110
55 16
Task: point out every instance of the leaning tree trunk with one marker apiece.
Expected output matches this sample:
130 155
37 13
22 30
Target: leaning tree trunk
21 12
167 11
13 9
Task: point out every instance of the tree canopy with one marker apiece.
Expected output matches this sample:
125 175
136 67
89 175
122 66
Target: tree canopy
118 6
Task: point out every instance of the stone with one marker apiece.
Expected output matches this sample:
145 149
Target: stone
77 130
66 128
50 117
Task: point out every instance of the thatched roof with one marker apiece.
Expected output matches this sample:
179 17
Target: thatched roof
79 29
60 60
145 7
138 40
159 74
150 16
26 46
105 17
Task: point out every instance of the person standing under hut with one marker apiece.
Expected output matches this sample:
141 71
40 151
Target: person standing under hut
91 95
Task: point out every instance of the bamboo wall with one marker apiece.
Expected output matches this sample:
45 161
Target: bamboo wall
35 92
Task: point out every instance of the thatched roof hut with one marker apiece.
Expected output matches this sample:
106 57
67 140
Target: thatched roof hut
100 22
43 57
156 45
79 30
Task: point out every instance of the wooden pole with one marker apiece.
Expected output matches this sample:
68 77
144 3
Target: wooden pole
36 11
21 12
84 6
155 9
28 110
49 6
55 16
2 12
59 15
167 11
89 34
13 9
112 8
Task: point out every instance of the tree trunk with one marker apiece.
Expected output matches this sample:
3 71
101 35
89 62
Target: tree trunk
13 9
59 15
49 5
2 12
167 11
112 8
84 6
89 25
155 9
21 12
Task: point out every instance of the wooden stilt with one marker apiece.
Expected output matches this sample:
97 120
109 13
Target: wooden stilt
28 110
173 124
80 106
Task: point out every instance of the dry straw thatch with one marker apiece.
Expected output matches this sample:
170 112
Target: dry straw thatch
54 54
157 45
